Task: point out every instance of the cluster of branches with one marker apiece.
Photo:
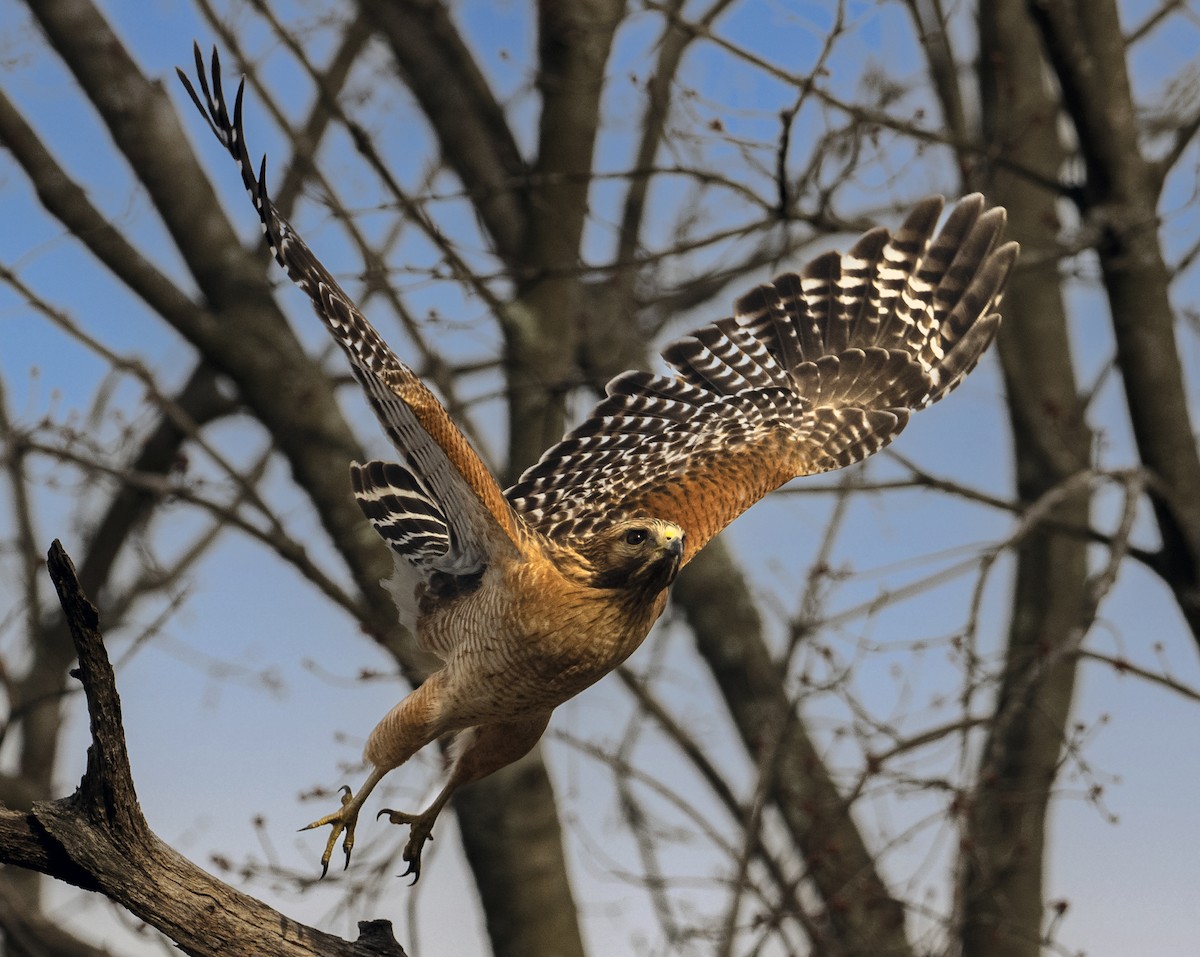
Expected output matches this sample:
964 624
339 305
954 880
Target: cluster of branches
799 872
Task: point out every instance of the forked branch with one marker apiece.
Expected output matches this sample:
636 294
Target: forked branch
97 838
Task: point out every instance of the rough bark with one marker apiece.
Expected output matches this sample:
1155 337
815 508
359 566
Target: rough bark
1003 888
97 838
37 696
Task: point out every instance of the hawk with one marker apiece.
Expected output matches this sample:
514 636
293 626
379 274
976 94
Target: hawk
531 594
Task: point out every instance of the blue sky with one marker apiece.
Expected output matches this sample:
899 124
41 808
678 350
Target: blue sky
247 696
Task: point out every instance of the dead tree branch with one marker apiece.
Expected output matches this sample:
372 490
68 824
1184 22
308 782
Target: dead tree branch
97 838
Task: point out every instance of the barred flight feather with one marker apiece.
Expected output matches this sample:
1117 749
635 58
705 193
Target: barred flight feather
400 510
471 503
525 605
813 372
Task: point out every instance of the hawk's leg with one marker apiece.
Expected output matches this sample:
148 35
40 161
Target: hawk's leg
407 728
479 751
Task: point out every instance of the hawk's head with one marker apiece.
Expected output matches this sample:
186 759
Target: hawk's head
642 554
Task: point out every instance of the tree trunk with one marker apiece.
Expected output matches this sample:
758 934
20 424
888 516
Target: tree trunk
1002 889
1119 199
863 918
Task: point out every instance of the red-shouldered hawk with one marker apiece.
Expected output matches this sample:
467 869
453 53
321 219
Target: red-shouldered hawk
532 594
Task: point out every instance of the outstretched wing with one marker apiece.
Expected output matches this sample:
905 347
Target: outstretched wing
812 373
441 472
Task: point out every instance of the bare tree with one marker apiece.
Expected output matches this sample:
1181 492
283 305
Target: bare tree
528 210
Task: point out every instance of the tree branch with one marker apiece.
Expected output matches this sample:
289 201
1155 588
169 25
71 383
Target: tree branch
1084 46
456 99
98 839
243 334
1002 881
716 603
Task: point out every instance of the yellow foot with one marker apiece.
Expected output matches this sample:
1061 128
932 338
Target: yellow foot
341 820
421 830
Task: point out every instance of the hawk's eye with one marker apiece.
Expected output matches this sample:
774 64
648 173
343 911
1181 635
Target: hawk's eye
635 536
